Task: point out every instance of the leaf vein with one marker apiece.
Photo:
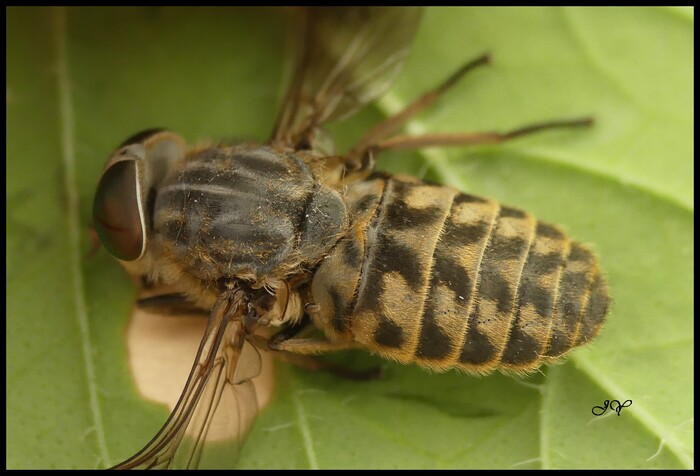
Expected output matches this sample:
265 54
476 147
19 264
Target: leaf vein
305 429
67 124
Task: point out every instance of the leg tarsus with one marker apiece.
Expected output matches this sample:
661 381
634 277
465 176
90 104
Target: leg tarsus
288 332
473 138
357 159
310 362
173 304
309 346
361 158
304 353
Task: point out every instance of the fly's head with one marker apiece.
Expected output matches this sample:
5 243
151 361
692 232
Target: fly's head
123 207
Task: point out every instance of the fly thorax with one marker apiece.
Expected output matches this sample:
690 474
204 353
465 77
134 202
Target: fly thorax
245 212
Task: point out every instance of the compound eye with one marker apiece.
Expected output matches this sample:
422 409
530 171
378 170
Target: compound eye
117 212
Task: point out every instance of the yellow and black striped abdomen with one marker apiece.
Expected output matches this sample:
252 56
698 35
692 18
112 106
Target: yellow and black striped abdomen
448 280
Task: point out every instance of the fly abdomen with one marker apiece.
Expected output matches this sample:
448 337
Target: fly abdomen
448 280
539 295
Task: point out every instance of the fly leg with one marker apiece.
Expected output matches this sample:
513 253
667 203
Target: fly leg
172 304
362 157
303 352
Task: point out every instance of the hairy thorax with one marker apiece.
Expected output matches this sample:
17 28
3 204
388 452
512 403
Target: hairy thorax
242 212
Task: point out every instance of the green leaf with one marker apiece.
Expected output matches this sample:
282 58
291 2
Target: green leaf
81 80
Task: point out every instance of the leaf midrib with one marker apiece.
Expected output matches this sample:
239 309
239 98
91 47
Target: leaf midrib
67 126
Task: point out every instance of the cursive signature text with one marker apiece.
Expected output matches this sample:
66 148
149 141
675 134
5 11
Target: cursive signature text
613 405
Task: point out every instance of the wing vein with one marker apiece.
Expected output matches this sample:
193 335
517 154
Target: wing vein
328 85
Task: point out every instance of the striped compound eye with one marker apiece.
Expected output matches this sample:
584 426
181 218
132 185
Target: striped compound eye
117 211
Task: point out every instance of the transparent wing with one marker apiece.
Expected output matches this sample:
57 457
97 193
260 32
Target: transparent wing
218 403
349 56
